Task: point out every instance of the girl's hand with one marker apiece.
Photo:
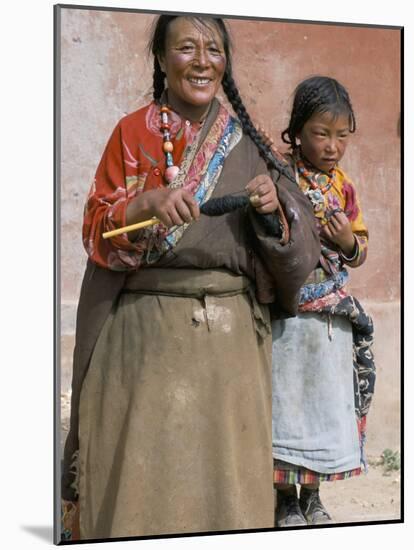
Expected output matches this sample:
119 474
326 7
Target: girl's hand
262 193
338 230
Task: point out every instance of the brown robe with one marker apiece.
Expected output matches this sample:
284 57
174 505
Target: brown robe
229 486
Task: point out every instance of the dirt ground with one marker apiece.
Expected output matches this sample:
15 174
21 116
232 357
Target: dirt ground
374 496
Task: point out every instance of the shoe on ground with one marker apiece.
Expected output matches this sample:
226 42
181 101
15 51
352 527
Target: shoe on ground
312 508
288 512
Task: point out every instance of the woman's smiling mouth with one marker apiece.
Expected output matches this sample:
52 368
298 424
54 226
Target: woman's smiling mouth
199 81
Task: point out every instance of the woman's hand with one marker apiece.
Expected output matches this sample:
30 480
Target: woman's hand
338 230
170 206
262 193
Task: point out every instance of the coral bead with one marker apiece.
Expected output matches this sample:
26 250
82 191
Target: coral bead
167 147
171 173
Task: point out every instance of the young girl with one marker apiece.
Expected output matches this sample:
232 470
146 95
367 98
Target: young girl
323 371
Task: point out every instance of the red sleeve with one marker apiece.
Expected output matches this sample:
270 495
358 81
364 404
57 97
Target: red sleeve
106 209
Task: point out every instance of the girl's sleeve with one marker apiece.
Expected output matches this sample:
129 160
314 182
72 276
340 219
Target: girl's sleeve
353 211
105 210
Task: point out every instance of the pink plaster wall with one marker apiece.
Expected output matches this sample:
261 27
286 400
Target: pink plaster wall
106 74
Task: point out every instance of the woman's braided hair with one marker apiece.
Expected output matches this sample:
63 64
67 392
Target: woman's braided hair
318 94
157 48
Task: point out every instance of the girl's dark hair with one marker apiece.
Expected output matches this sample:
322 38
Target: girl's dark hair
318 94
156 46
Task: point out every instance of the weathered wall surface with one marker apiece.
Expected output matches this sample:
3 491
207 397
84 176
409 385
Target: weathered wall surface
106 73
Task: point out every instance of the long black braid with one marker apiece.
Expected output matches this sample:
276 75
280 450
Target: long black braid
318 94
158 80
157 47
232 94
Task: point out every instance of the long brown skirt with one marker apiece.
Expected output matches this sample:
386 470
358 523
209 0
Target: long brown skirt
175 419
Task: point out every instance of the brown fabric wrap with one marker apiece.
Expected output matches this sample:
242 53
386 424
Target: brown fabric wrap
196 283
100 290
175 414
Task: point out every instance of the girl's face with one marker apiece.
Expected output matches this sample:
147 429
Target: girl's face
324 138
194 63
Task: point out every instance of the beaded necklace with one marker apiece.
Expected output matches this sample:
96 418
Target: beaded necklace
167 146
317 186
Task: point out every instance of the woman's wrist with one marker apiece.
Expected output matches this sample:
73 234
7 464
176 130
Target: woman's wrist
137 210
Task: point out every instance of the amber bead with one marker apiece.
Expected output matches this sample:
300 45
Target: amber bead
167 147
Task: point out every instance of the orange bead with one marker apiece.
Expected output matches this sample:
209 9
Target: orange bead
164 109
167 147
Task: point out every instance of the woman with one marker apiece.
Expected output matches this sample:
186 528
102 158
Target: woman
171 393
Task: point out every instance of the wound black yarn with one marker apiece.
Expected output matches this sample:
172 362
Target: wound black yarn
223 205
230 203
270 223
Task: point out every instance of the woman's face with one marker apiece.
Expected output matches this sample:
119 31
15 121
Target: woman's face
194 63
324 138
